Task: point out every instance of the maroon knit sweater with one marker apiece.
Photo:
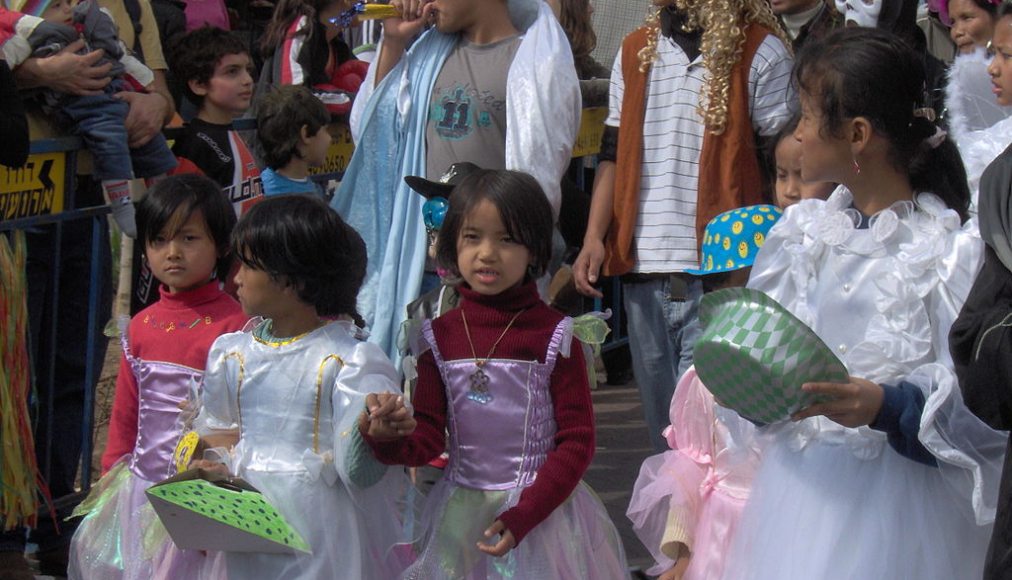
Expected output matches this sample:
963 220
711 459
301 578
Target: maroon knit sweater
527 339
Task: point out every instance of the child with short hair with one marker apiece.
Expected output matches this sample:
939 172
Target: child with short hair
687 501
504 375
292 127
214 67
789 186
292 388
40 28
303 45
185 226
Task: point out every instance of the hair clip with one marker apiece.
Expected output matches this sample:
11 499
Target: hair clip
935 140
925 113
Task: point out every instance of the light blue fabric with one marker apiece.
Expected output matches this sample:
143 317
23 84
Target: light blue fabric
276 184
374 199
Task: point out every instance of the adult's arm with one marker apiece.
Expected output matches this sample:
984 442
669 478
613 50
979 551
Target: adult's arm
66 71
587 268
149 112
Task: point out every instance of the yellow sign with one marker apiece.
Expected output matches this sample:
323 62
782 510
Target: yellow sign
36 188
588 142
339 153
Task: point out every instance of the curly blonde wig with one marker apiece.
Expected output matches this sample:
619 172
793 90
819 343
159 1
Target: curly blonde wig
722 40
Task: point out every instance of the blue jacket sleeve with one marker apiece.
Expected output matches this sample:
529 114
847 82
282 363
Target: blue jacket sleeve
900 419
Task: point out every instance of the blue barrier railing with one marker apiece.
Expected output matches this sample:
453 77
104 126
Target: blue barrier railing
69 146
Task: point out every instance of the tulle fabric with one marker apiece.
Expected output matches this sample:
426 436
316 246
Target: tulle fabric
577 540
848 518
832 502
122 538
695 493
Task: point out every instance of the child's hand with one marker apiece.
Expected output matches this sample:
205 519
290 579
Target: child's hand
505 543
386 417
677 571
415 14
851 404
211 466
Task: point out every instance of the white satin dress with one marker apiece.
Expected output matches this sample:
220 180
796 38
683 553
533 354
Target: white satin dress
836 503
296 404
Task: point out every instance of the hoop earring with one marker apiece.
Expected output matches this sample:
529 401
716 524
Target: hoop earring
857 168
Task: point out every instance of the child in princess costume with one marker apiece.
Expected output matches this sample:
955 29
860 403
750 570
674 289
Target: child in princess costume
185 224
503 373
289 389
890 475
530 126
686 502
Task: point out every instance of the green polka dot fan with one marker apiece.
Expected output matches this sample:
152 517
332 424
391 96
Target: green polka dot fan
232 517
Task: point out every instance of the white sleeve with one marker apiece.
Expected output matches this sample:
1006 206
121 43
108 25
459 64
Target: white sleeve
970 454
616 92
219 403
367 370
772 99
543 106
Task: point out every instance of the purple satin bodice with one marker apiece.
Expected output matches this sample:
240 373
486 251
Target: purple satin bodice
502 425
161 387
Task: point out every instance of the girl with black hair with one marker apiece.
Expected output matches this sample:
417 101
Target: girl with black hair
977 116
290 388
890 475
503 373
185 224
303 45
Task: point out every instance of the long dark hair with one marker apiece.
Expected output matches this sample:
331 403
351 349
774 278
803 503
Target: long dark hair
871 73
522 206
171 201
300 242
285 13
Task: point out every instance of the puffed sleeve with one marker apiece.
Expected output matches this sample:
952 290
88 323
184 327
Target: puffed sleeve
367 370
219 402
970 454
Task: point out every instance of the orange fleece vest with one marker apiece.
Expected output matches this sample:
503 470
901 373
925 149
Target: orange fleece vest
729 173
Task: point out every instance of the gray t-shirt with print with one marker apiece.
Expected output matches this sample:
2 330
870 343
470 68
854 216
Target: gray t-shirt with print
467 111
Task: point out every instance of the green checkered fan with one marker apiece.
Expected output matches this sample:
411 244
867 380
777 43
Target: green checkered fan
754 355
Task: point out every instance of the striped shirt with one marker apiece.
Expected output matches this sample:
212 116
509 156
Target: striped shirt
665 236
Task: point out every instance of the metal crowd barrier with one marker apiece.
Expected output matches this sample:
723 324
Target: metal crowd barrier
41 193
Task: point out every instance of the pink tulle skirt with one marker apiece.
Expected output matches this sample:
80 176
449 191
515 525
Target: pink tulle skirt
674 479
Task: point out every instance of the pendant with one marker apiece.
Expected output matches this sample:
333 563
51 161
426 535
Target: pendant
479 387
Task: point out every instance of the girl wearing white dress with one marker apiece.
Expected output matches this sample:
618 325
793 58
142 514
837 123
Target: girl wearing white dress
890 476
291 388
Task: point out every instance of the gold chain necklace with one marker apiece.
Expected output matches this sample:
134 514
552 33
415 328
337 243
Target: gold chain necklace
479 380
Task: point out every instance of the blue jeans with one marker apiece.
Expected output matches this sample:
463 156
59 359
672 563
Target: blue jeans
662 335
100 121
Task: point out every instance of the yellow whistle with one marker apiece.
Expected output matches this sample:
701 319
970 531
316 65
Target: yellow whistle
377 12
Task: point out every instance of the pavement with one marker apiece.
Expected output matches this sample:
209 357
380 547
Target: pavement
622 445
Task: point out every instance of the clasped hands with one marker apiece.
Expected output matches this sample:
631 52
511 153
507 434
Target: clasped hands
386 417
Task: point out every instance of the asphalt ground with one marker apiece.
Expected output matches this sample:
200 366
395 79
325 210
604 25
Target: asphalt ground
622 445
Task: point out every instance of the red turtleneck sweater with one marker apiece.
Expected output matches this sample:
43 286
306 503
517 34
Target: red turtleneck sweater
527 339
179 329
